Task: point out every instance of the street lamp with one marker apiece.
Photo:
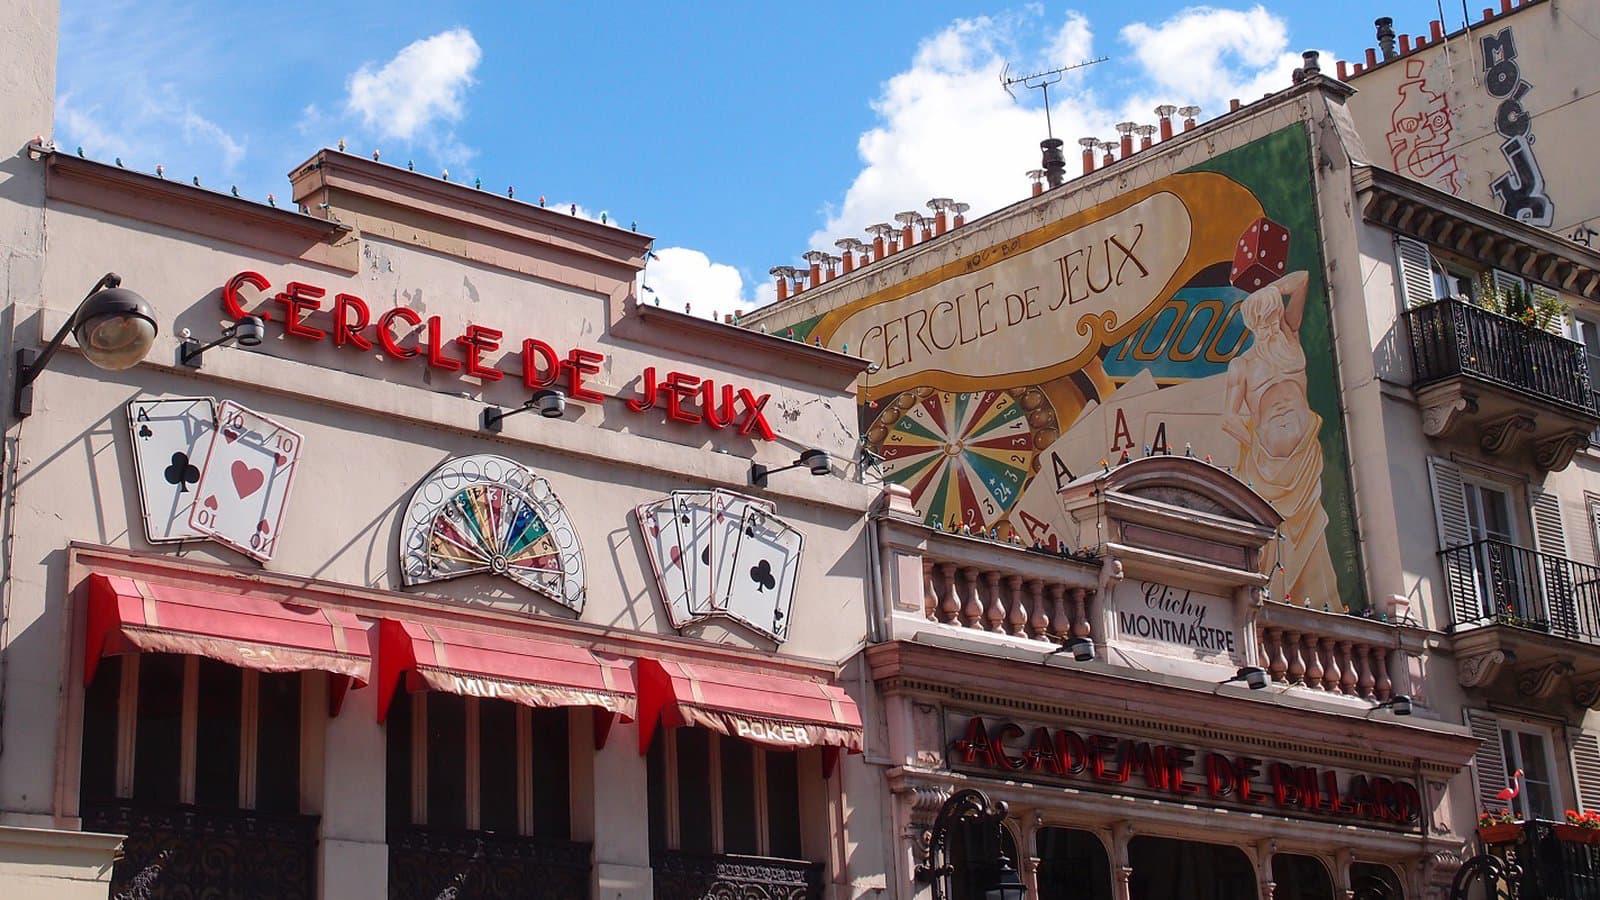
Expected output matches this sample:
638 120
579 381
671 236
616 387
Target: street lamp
968 807
1005 884
114 327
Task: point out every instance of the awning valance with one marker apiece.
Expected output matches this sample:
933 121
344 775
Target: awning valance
524 670
773 710
129 615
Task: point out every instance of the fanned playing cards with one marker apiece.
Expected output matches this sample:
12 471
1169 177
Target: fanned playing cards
720 554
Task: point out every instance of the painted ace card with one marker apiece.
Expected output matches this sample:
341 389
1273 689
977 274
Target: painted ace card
244 483
171 438
758 587
658 524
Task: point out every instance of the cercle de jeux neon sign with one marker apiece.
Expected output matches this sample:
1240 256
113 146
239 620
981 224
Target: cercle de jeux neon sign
684 397
1221 779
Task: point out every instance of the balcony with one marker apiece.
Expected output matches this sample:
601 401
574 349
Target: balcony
1334 653
1532 861
1518 610
684 876
428 863
186 852
1515 386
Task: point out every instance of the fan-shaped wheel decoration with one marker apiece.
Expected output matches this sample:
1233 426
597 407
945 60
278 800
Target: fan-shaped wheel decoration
964 457
491 515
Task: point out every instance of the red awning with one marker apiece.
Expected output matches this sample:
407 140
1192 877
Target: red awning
772 710
128 615
524 670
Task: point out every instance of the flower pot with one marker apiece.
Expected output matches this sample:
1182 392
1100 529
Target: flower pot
1577 834
1507 833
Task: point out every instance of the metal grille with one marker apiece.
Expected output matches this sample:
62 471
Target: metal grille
682 876
435 864
1450 338
182 852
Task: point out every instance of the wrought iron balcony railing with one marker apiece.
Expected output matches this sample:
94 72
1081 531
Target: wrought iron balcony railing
1451 338
181 852
1492 582
684 876
1532 861
425 864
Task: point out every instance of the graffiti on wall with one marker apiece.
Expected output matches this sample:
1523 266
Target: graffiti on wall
1190 312
1419 133
1521 189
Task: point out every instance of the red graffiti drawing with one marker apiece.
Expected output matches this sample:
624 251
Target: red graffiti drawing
1421 133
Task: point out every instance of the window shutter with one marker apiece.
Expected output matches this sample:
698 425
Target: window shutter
1586 766
1505 281
1550 539
1450 517
1549 535
1539 294
1489 764
1416 271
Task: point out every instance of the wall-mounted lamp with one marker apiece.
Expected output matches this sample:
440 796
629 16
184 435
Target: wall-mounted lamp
1254 677
551 403
818 461
1399 704
1005 884
1081 648
114 327
248 331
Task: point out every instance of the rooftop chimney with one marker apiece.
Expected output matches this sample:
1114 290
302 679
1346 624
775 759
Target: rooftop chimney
782 274
1190 113
1164 112
1313 64
1145 132
1055 161
1106 147
941 220
880 239
850 247
1385 26
1126 130
832 262
960 210
1037 175
815 258
1088 144
908 222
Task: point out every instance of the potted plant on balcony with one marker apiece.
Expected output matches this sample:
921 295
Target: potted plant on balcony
1498 827
1580 828
1537 309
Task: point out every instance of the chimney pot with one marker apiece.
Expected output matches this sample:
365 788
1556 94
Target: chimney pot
1385 33
1145 131
1088 144
1313 62
961 213
1054 161
1233 104
1505 6
781 273
1359 68
1436 30
1372 57
1191 115
1405 44
880 239
1164 115
1106 147
1344 70
908 222
1126 130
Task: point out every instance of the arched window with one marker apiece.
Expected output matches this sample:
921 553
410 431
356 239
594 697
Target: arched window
1168 869
1300 878
1072 865
1370 881
975 848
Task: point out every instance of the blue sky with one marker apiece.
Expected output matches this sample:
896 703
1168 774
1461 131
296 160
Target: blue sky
739 135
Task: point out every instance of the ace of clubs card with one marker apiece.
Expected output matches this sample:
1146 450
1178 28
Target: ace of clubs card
727 518
171 438
758 587
244 484
658 522
692 518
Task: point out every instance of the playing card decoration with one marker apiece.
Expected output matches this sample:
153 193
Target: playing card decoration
490 515
720 554
198 482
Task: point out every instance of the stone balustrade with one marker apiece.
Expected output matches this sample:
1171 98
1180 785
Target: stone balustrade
1331 652
1004 601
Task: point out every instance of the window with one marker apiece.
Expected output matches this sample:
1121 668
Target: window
1299 877
1454 281
712 794
1169 869
1073 865
1587 333
466 764
1370 881
162 729
1528 748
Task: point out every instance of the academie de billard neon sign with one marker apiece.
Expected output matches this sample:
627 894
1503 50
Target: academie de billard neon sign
686 398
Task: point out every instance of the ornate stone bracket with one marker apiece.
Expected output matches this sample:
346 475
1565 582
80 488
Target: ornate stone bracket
1587 694
1503 434
1481 668
1555 453
1442 412
1439 870
1540 682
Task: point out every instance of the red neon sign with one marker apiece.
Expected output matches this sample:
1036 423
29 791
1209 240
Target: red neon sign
685 397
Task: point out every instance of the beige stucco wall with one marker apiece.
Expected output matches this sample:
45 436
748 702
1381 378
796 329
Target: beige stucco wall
1554 56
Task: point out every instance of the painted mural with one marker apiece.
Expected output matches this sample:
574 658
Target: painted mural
1189 315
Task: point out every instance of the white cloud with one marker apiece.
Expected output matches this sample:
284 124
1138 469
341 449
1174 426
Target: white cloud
424 84
1207 56
680 275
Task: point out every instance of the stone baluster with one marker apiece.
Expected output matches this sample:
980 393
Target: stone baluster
1347 669
1272 649
971 599
1382 687
1313 663
1039 621
1297 663
950 604
1080 613
1331 675
930 591
994 614
1365 683
1060 626
1017 616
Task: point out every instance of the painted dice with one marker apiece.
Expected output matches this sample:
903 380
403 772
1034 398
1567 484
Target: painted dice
1261 257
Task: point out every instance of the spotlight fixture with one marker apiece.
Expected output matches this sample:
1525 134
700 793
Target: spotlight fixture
1254 677
1399 704
818 461
551 403
248 332
114 327
1081 648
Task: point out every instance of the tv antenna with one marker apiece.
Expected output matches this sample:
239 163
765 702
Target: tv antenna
1042 81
